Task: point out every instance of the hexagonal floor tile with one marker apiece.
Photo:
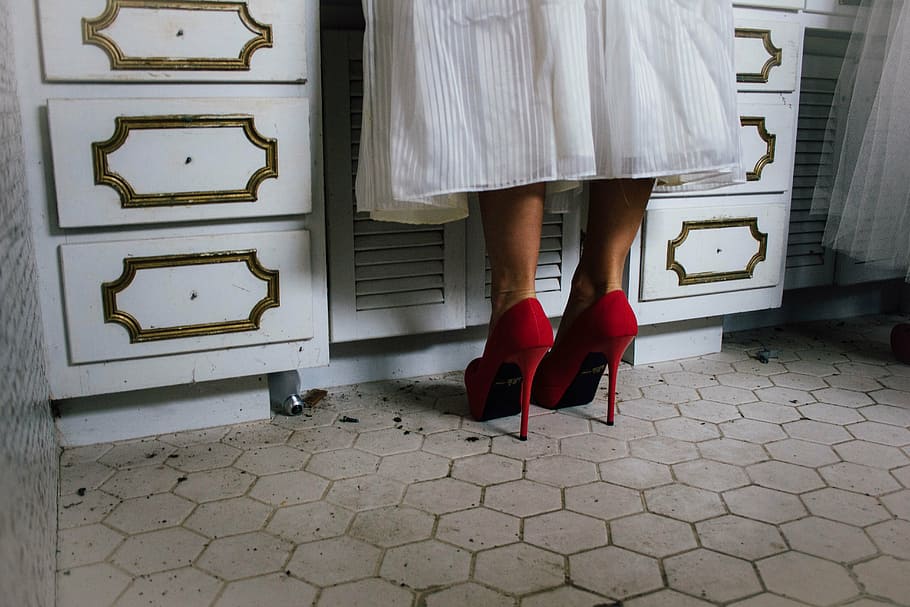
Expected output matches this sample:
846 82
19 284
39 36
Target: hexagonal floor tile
564 596
309 522
366 492
740 537
885 576
837 542
442 495
653 535
603 500
561 471
413 467
468 594
684 503
327 438
86 545
343 463
426 564
97 584
663 450
373 592
388 441
241 556
211 485
593 448
635 473
148 513
187 587
565 532
752 431
158 551
786 574
892 537
392 526
707 474
274 589
204 456
802 453
763 504
859 478
229 517
713 576
519 569
289 488
785 477
487 469
558 425
871 454
523 498
478 528
615 572
333 561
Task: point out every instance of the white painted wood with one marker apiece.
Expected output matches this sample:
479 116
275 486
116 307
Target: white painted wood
177 34
849 271
777 4
388 279
751 55
715 250
163 161
779 115
833 7
187 295
128 415
672 341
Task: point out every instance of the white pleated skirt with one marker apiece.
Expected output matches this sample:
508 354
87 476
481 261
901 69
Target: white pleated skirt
463 96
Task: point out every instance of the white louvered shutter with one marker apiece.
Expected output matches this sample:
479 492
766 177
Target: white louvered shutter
808 263
385 279
559 251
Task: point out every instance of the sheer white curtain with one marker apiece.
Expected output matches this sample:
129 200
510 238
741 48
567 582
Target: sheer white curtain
868 198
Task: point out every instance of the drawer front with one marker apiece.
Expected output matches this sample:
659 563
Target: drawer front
767 54
847 8
131 299
767 137
125 161
177 40
711 249
793 5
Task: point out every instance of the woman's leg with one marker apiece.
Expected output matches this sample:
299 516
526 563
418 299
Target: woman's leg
512 221
615 213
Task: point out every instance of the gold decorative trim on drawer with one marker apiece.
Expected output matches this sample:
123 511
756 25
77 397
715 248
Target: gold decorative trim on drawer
129 198
92 28
775 59
716 224
138 333
770 140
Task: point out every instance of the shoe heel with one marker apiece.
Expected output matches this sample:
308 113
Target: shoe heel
527 361
614 349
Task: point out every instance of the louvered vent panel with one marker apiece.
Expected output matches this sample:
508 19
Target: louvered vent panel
823 53
395 265
550 262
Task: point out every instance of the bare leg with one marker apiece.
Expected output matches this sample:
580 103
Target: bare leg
512 221
614 216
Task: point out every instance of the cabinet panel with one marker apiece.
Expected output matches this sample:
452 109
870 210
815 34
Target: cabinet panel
766 54
129 299
126 161
176 40
691 251
767 137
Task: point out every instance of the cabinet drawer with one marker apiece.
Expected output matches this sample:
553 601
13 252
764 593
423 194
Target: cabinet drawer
131 299
712 249
847 8
176 40
126 161
767 137
766 54
782 4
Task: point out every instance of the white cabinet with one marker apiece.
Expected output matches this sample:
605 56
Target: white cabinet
706 254
184 235
390 279
167 41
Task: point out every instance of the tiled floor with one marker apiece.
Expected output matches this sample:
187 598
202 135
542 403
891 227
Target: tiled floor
726 480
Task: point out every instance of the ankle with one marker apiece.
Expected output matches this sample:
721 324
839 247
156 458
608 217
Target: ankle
502 301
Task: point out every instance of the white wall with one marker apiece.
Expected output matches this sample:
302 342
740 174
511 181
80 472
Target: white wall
28 457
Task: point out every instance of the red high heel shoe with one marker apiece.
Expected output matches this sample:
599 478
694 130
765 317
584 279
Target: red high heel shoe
499 382
597 339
